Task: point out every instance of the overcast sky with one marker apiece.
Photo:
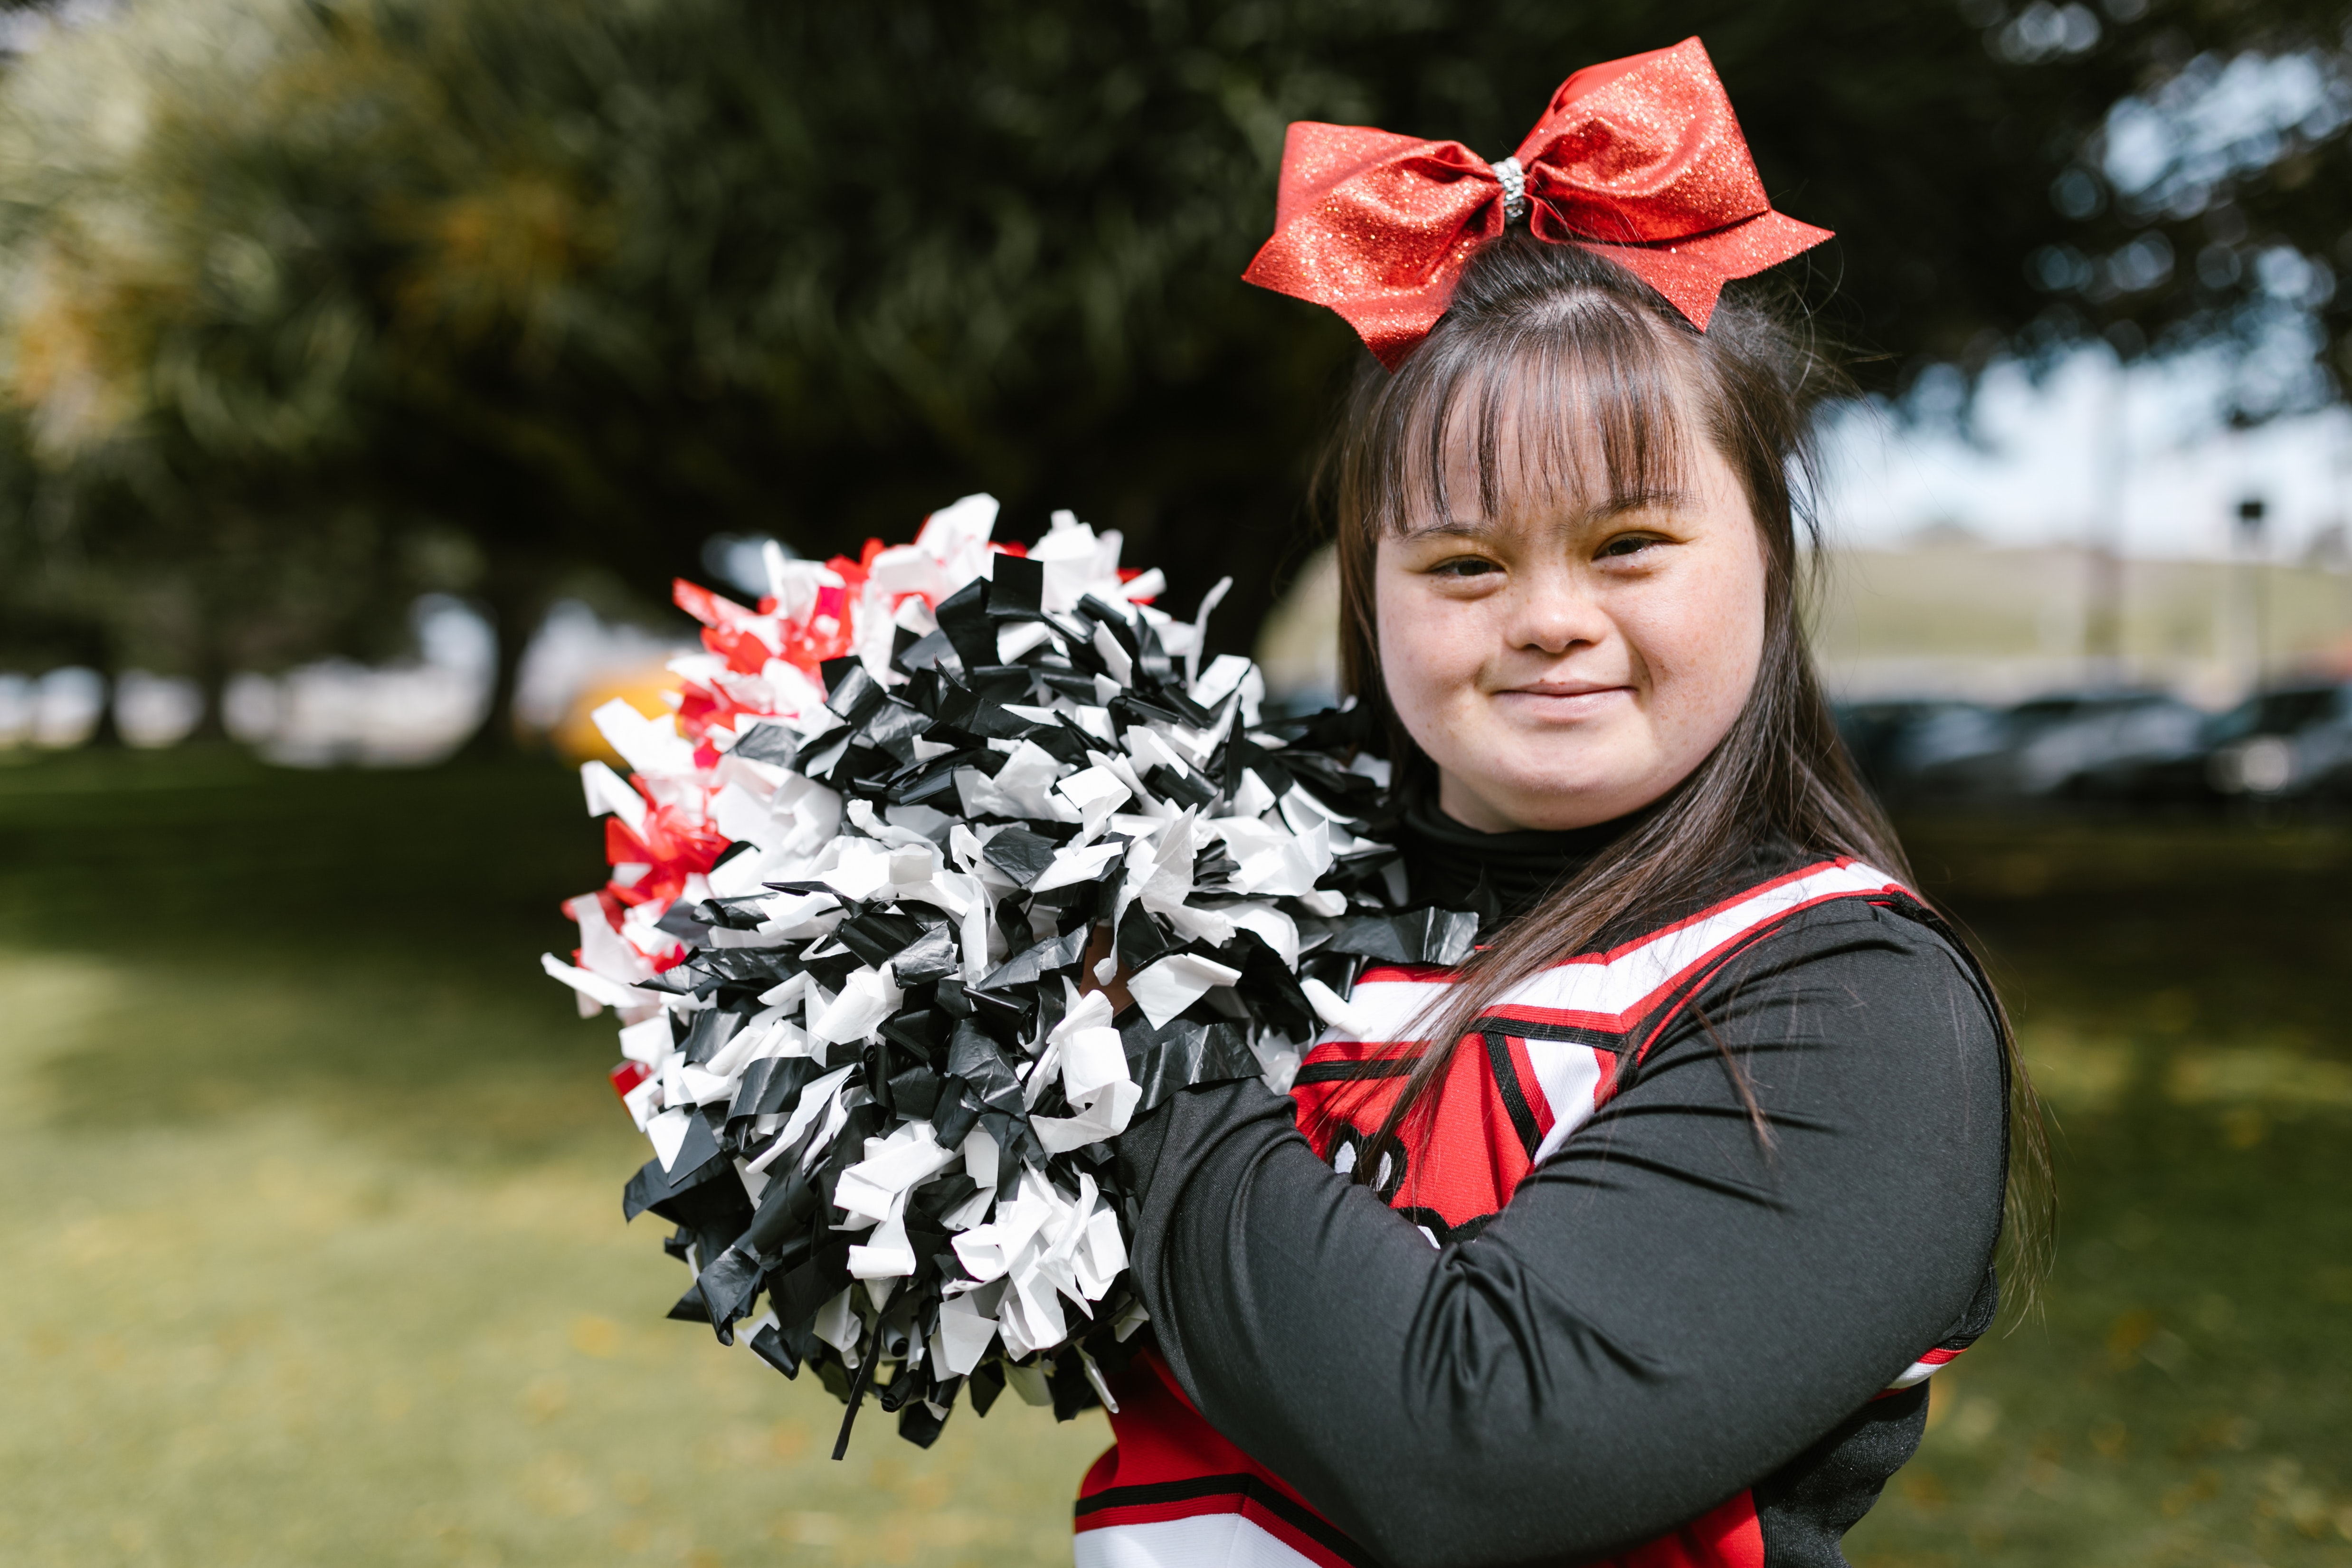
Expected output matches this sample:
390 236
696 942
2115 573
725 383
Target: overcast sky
2041 470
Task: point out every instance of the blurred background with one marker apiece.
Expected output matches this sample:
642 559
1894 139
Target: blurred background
367 367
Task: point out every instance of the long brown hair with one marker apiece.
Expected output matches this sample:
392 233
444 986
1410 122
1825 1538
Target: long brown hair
1553 361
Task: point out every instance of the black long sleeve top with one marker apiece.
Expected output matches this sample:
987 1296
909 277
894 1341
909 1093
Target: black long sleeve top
1671 1308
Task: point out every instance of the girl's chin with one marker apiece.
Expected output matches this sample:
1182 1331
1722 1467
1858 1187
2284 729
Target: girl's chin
1551 804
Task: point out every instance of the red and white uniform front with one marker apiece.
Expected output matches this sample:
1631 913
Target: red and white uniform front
1172 1492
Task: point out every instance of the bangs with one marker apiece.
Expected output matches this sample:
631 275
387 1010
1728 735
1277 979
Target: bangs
1588 406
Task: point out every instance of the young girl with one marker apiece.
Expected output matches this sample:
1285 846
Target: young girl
1637 1238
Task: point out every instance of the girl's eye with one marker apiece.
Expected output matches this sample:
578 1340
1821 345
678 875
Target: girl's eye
1465 566
1628 545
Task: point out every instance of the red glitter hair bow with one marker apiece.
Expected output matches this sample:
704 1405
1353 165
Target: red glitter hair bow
1639 159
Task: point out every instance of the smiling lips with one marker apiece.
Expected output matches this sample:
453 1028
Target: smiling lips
1563 699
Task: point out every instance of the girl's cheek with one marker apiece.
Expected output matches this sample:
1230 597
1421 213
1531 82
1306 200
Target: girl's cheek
1431 648
1682 642
1701 646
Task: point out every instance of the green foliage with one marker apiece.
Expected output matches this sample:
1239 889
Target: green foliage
589 279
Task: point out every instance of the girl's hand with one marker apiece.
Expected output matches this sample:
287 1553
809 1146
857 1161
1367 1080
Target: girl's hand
1097 949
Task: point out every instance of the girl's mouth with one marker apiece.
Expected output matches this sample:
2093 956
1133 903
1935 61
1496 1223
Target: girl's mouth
1561 700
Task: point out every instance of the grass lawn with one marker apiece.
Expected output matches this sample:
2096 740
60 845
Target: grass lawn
2181 994
317 1254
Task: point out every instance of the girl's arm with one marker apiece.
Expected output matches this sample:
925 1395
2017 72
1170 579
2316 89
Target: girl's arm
1665 1313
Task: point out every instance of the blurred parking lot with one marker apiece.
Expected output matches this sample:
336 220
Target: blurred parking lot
2284 746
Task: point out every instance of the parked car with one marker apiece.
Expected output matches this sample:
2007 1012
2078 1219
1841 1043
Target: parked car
2058 746
1890 742
2321 763
2291 740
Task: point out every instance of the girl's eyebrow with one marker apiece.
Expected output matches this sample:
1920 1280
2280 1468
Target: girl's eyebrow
1616 506
1453 527
1608 510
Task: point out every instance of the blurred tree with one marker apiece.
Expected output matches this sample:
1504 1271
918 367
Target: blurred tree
587 281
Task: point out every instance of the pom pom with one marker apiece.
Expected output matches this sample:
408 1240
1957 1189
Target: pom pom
952 861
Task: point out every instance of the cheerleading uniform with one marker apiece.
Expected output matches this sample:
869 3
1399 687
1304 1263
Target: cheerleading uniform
1591 1315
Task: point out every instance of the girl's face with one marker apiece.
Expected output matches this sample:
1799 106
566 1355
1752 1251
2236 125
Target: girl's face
1572 660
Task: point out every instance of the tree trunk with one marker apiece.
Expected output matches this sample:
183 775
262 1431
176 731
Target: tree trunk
515 594
211 674
107 733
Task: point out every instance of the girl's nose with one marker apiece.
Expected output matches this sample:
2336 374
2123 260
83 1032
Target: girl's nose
1550 616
